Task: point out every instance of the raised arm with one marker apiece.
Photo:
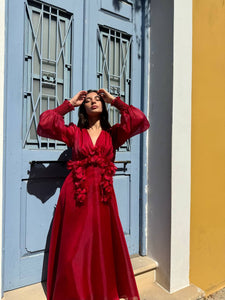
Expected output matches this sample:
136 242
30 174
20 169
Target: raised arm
51 124
133 120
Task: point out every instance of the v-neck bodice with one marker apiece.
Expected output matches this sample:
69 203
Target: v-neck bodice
84 147
94 144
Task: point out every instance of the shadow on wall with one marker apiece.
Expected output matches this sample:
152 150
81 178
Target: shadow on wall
43 182
45 259
143 5
137 4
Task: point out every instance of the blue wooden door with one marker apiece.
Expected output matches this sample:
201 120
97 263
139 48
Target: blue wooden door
54 49
113 61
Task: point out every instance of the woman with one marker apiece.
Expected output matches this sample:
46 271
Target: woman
88 256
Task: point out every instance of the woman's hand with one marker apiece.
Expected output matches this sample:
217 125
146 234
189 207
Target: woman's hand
78 99
106 96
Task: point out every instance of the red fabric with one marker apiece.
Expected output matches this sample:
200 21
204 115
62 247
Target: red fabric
133 122
88 256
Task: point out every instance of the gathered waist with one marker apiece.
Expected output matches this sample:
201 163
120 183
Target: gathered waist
91 161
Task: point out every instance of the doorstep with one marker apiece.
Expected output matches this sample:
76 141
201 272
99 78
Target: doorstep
144 270
151 292
142 265
156 292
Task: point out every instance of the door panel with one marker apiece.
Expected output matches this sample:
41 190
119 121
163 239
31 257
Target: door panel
123 9
114 30
40 74
38 218
123 199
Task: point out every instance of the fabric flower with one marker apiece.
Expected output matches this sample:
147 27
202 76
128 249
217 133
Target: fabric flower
78 168
80 195
79 173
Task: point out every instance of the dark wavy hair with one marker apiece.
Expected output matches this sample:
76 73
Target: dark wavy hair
83 117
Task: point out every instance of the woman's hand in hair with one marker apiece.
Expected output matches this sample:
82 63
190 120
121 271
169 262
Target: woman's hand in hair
106 96
78 99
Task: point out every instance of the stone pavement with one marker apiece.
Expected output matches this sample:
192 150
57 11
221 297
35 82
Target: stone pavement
220 295
149 292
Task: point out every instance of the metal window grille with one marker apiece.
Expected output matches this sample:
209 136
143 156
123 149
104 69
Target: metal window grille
114 68
47 68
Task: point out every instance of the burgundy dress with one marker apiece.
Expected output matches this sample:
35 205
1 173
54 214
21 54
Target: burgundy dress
88 256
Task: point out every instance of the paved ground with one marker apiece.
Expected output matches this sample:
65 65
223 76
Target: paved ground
220 295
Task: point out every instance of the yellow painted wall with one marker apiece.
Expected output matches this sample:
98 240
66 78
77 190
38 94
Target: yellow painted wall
207 267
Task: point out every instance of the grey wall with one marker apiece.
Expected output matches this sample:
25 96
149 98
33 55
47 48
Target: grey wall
161 82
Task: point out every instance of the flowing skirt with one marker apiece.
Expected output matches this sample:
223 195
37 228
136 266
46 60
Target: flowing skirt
88 256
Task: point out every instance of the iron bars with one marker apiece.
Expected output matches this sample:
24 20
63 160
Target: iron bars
47 68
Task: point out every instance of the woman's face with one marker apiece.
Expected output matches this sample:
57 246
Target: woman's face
93 104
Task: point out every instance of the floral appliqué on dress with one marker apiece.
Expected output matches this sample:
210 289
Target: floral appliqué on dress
78 168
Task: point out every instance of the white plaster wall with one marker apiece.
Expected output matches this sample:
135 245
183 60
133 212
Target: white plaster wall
170 141
2 60
181 146
160 133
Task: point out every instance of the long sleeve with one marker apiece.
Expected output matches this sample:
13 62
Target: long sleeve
133 121
51 124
